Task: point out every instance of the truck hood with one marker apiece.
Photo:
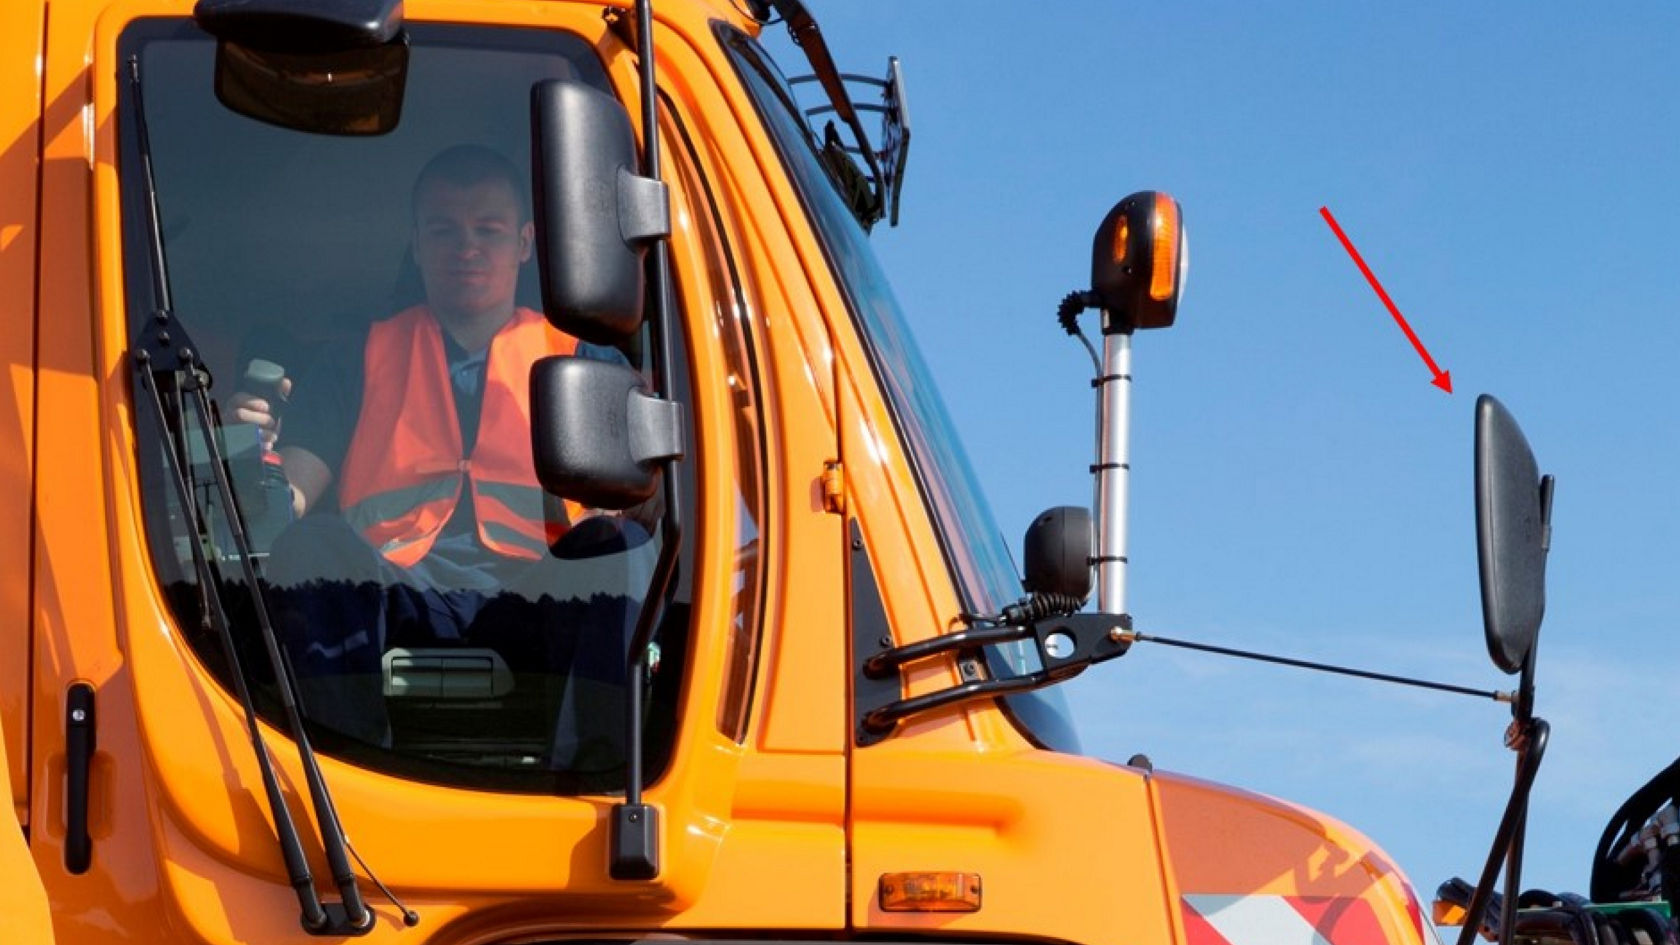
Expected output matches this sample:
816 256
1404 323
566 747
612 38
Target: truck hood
1244 868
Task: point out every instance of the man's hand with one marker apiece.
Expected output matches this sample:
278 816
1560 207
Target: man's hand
245 407
308 475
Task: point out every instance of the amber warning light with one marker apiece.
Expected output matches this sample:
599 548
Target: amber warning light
1164 272
930 892
1138 263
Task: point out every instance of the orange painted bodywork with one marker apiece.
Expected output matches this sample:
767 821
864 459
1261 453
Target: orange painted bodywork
20 170
785 830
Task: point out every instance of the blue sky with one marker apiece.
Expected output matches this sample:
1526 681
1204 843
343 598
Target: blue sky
1510 173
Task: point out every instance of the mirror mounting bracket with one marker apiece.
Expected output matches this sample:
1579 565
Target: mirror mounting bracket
1066 645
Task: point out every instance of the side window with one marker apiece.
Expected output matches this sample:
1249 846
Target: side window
730 320
365 311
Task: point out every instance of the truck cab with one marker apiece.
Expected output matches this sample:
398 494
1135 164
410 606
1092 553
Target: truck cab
812 509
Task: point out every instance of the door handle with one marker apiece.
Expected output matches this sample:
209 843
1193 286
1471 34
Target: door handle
79 745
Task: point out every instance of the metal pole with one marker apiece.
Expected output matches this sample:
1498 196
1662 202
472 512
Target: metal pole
1113 470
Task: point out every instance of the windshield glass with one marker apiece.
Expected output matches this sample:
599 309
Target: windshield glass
973 545
445 619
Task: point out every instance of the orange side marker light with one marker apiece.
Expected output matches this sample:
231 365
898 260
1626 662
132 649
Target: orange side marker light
930 892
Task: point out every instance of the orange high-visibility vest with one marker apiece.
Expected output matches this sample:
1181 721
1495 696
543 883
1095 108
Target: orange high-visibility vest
406 466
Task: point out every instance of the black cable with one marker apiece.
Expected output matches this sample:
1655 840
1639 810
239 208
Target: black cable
1609 878
1073 304
1067 315
1039 606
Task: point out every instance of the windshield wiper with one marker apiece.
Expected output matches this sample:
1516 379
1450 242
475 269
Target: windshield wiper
169 370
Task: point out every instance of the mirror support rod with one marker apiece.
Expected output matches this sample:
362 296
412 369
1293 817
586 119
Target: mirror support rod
1113 468
1528 737
634 852
1066 645
1134 636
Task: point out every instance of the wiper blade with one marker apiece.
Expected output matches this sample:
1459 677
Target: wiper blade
164 351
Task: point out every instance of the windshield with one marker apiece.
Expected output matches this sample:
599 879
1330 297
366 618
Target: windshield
445 619
973 546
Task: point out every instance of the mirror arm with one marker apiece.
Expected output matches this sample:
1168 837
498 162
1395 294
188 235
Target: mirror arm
1529 740
635 824
644 207
882 721
1513 878
1066 646
884 663
656 429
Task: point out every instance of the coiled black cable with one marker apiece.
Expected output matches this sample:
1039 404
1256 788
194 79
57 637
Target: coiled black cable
1039 606
1067 315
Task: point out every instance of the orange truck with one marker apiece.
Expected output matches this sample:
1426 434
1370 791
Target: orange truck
778 680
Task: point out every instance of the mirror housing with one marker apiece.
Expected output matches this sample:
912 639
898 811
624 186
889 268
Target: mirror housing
1138 262
598 436
1057 552
1513 534
335 67
595 216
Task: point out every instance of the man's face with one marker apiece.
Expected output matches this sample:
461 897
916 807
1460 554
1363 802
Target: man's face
469 243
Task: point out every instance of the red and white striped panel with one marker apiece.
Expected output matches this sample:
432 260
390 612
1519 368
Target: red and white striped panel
1286 920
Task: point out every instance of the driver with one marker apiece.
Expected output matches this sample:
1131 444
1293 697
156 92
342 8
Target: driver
421 443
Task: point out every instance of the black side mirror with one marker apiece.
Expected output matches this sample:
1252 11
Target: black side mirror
1513 533
598 436
595 216
1057 552
329 68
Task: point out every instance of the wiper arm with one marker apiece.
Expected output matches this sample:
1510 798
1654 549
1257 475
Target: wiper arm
173 427
163 350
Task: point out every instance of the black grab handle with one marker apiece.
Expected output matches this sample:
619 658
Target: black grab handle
79 746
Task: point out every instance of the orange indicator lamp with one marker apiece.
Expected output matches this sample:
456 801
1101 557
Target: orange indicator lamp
930 892
1138 263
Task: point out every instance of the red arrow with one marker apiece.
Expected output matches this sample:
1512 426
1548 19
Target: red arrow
1443 379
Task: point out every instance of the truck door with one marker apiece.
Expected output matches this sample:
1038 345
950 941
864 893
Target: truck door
291 247
20 153
22 901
